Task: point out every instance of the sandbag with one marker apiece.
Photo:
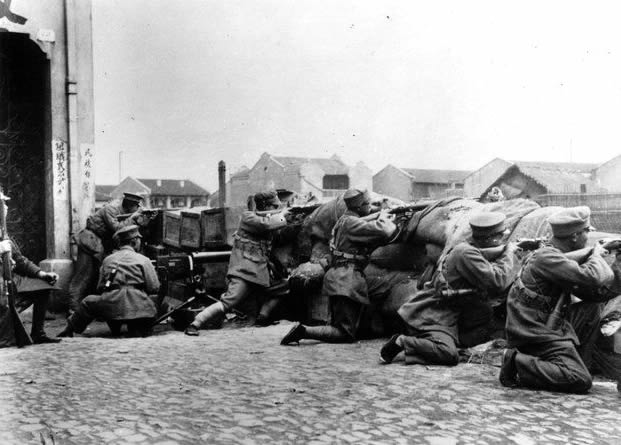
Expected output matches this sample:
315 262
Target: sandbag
399 256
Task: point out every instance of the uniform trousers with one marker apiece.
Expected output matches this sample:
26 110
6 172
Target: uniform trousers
561 365
429 348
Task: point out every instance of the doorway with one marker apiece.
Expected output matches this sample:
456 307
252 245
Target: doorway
24 104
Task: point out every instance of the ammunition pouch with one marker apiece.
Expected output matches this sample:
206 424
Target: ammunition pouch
252 250
533 299
90 242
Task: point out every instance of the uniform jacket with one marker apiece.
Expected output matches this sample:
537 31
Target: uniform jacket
353 235
464 267
128 297
100 227
23 266
545 276
252 245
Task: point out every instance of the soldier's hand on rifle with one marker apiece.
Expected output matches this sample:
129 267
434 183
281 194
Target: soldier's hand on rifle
5 246
599 249
50 277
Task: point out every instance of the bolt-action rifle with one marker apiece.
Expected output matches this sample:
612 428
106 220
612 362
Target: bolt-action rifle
8 291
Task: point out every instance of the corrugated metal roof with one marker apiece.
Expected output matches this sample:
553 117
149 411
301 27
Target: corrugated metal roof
174 187
431 176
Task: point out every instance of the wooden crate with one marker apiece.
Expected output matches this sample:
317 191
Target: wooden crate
172 228
190 231
218 226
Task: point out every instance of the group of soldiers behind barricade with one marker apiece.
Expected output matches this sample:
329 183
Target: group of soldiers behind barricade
550 339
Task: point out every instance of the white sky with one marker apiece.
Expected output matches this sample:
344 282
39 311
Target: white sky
180 85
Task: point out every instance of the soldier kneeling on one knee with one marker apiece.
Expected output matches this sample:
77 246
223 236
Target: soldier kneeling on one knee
126 280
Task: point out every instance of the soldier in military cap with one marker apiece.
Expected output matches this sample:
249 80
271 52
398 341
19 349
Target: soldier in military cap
355 235
249 266
95 242
463 276
127 282
550 340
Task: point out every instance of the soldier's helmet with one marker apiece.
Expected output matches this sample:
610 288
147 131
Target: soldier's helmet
568 221
132 197
487 224
127 233
355 198
263 199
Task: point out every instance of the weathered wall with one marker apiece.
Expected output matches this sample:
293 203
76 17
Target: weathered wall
480 180
391 181
62 29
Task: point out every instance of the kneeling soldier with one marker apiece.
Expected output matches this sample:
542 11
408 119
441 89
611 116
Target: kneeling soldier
249 268
354 237
432 315
549 339
126 280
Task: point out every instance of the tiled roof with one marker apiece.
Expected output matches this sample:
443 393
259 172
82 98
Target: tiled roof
174 187
430 176
557 177
102 192
331 166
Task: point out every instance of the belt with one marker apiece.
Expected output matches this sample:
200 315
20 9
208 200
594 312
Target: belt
348 256
534 299
139 286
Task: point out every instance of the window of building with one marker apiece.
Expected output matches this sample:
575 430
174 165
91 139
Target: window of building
336 182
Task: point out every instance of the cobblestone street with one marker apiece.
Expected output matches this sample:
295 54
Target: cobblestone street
240 386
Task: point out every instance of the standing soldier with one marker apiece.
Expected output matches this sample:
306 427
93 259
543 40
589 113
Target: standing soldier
127 279
95 241
354 237
464 275
249 268
550 340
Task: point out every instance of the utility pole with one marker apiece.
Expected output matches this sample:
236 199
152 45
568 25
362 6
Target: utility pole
120 165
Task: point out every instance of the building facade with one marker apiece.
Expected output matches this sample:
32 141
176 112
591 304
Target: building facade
47 124
323 178
409 184
163 193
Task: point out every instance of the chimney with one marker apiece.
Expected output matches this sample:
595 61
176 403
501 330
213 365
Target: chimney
158 182
181 183
221 184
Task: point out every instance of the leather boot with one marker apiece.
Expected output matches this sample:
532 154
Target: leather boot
327 334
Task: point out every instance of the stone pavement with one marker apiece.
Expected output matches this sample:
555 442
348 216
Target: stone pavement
240 386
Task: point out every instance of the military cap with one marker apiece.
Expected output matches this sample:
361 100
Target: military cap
571 220
266 198
487 223
355 198
132 197
127 233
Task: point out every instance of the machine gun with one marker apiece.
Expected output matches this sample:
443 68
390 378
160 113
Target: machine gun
187 267
147 213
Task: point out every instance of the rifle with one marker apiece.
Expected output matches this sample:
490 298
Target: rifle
148 213
411 208
611 244
8 286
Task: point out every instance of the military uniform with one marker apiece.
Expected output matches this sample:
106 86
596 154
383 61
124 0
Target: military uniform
434 320
94 242
552 339
353 240
431 318
127 279
31 289
249 265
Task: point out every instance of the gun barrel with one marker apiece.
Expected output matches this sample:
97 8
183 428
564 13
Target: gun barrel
211 257
457 292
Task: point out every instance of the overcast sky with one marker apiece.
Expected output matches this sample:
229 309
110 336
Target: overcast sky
180 85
